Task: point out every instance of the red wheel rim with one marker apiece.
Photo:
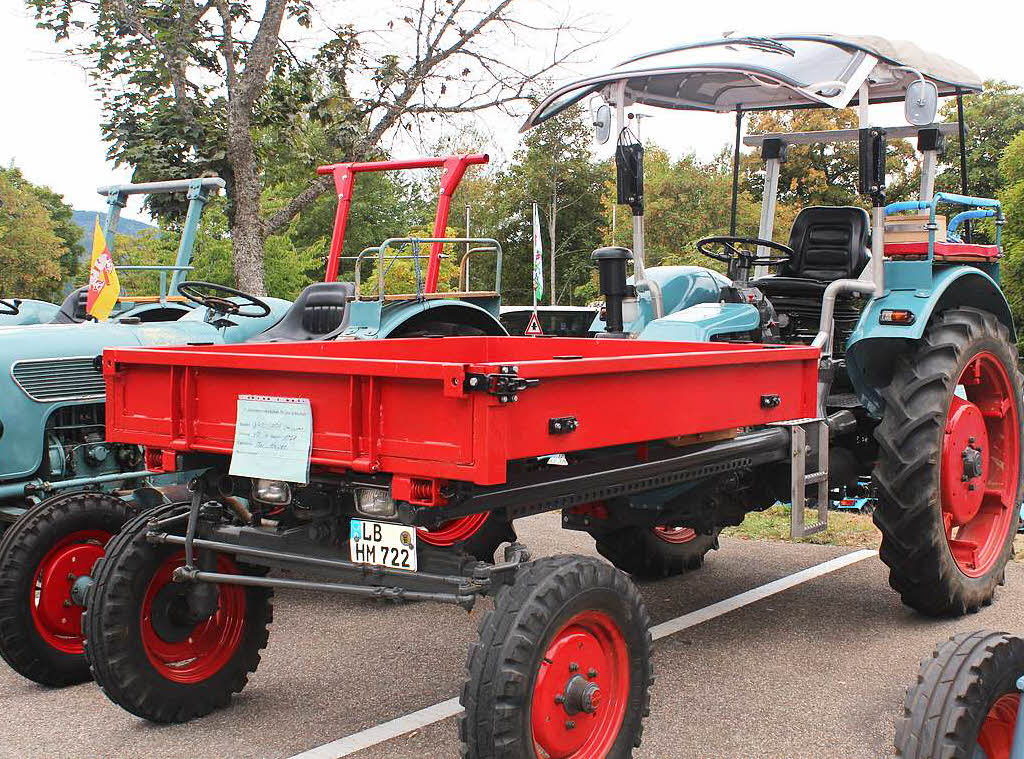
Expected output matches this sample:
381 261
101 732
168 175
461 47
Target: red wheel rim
454 531
581 690
980 465
996 734
210 644
675 534
57 619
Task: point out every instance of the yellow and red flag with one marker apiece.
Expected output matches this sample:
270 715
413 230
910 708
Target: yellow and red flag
103 284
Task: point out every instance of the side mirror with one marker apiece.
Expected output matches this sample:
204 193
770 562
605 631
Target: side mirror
602 123
922 102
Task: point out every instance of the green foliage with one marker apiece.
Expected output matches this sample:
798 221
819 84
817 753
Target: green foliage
30 247
62 217
291 264
993 117
1011 170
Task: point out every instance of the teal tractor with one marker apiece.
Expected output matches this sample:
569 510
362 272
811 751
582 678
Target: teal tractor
918 385
51 418
65 491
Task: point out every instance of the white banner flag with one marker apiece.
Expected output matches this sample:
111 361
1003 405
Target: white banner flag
538 259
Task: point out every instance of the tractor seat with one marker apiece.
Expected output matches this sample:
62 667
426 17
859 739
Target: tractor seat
829 243
72 310
319 313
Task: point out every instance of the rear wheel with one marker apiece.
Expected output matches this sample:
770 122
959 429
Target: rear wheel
151 651
965 701
479 535
948 473
42 556
650 553
562 668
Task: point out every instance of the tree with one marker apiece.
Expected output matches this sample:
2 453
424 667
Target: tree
188 85
30 249
825 174
993 118
62 216
1011 171
554 168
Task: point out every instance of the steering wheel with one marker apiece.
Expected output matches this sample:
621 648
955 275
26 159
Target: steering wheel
9 307
744 259
217 298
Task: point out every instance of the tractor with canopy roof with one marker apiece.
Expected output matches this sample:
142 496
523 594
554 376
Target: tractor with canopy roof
733 391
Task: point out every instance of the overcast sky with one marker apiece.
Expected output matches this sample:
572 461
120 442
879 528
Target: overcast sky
50 122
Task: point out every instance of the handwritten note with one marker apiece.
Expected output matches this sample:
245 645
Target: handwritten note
273 438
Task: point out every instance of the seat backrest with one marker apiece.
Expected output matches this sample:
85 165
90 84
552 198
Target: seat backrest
320 311
73 309
829 242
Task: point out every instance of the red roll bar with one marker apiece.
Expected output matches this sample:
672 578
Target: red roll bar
344 180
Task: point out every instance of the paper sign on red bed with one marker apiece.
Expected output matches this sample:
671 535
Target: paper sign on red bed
273 438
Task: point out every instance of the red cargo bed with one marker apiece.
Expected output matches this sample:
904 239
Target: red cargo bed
403 406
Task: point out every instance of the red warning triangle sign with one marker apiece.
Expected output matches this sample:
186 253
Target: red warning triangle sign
533 328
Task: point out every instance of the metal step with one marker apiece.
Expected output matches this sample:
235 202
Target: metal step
800 480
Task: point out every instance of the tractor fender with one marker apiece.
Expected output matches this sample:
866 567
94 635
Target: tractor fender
681 288
396 317
873 348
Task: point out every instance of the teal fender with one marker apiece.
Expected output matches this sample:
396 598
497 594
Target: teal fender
373 320
681 288
30 312
703 321
45 367
873 348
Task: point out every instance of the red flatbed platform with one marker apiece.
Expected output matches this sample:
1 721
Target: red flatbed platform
404 406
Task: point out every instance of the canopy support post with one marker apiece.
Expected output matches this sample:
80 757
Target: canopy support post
962 129
736 172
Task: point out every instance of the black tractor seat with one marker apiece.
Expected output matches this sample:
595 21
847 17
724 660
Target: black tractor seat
319 313
829 243
72 310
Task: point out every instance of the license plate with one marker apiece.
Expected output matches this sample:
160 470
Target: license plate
383 544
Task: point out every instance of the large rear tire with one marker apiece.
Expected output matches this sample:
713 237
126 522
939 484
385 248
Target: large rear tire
147 654
41 556
562 667
948 474
652 553
965 699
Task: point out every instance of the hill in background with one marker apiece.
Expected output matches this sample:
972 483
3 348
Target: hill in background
87 219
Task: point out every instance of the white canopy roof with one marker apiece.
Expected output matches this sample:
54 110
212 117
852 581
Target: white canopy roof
752 73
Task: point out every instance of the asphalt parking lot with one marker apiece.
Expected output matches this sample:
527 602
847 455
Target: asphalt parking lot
814 670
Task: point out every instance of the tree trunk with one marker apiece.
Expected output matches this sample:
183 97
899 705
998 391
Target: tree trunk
247 236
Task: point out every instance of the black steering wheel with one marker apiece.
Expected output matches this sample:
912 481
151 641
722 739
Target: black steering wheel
739 258
9 307
217 298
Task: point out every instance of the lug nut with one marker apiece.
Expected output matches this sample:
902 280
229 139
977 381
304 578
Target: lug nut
559 698
573 667
591 673
569 724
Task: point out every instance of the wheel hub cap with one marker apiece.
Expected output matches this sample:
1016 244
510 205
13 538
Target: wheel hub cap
996 735
980 464
579 697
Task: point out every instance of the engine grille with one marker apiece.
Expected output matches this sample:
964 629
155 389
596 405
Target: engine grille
59 379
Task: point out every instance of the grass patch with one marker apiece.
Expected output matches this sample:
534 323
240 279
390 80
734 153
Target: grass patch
844 528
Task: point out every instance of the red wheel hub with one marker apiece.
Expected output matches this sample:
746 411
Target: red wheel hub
675 534
996 734
197 650
979 464
57 618
581 690
454 531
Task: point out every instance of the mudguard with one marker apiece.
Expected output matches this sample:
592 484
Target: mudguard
374 320
916 286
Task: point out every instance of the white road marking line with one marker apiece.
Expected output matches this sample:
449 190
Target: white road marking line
399 726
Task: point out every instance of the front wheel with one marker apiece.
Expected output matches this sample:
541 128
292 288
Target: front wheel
562 668
152 651
948 474
965 702
42 556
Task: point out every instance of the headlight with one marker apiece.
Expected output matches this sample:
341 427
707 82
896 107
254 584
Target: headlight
272 491
374 502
